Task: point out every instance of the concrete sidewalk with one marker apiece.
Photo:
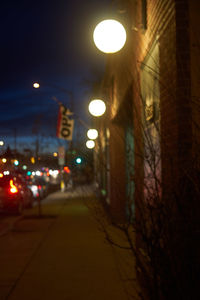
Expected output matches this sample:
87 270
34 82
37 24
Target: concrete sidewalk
62 255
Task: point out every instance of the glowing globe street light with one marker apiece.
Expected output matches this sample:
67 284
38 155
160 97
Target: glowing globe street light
92 134
109 36
97 107
90 144
36 85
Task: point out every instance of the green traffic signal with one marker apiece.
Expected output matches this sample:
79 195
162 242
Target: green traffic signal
78 160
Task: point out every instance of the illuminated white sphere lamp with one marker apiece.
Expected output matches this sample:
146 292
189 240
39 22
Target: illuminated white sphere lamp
109 36
90 144
97 107
92 134
36 85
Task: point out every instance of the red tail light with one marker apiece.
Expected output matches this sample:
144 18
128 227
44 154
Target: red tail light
39 187
13 189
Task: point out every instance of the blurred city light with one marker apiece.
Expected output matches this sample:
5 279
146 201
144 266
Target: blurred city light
1 143
54 173
38 173
32 160
16 162
66 169
6 172
4 160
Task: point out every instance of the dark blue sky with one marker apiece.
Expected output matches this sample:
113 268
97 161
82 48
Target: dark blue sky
50 42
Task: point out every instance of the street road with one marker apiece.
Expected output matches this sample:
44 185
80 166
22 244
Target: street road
60 254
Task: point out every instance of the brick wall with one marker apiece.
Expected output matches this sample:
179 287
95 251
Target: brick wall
167 25
117 172
194 28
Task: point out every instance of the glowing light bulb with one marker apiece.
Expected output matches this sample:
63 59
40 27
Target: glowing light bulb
109 36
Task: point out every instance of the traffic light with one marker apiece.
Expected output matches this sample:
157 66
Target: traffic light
78 160
16 162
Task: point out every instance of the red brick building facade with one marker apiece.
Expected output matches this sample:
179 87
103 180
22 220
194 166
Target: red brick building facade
149 86
152 136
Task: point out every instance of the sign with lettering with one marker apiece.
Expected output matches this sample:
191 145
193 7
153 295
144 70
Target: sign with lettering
65 124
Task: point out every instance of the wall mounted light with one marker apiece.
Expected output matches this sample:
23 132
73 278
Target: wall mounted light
109 36
97 107
90 144
92 134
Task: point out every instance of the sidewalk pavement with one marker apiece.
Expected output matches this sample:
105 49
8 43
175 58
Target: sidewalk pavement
61 255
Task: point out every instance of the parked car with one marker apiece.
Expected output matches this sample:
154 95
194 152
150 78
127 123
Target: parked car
38 186
33 188
42 186
14 194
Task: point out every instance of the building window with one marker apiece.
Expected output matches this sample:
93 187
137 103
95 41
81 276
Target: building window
150 86
150 91
129 160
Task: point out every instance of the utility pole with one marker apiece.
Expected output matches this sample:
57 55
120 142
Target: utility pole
15 140
71 94
37 147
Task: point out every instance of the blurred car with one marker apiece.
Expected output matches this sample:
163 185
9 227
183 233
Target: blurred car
33 188
28 192
14 194
42 186
38 186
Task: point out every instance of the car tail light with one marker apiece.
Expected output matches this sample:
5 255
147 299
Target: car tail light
39 187
13 189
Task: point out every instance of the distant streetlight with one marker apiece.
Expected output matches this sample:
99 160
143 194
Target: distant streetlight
90 144
97 107
92 134
1 143
55 154
109 36
36 85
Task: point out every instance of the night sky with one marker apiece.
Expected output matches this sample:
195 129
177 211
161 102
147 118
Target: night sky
50 42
